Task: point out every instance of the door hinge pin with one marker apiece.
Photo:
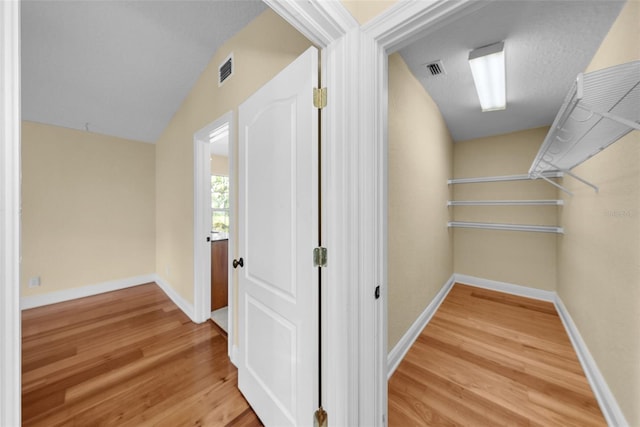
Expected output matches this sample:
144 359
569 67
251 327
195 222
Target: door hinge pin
320 418
320 97
320 257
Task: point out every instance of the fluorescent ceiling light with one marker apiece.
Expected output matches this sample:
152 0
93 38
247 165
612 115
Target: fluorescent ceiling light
488 70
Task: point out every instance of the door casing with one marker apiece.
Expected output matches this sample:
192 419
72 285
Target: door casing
202 224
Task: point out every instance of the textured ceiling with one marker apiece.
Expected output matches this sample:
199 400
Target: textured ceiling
547 43
123 67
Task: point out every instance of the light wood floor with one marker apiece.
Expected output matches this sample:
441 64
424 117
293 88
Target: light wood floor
489 359
126 358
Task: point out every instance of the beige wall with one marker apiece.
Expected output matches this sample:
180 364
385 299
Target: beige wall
599 255
364 10
219 165
257 59
88 203
523 258
420 162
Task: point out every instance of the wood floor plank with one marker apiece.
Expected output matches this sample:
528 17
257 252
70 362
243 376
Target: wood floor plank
488 358
129 357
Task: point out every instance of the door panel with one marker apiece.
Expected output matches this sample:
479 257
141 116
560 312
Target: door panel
270 197
278 229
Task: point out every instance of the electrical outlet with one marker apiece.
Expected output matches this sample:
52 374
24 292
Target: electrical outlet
34 282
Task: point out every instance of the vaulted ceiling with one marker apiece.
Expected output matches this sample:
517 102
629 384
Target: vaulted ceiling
120 68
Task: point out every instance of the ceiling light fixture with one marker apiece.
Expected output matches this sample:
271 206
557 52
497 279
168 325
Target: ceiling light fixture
488 70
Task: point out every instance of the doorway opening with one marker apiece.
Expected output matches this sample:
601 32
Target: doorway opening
219 156
214 228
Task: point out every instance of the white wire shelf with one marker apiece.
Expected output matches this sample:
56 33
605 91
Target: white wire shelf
601 107
501 178
507 227
505 202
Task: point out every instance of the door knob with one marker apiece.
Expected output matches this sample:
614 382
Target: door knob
238 262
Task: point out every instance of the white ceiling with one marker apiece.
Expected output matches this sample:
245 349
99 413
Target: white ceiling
122 67
547 43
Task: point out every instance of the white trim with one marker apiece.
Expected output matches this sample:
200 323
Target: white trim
177 299
233 354
322 22
407 21
508 288
340 292
397 354
202 216
112 285
608 404
231 248
33 301
10 321
202 223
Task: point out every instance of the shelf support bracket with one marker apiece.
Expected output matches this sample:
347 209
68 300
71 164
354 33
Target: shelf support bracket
573 175
555 184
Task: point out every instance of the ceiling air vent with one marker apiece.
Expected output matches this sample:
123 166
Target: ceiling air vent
435 69
225 70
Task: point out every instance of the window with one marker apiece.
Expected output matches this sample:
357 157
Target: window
219 204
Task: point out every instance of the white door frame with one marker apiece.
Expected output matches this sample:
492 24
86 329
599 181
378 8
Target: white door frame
202 223
10 330
398 26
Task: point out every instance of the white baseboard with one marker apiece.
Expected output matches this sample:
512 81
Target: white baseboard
184 305
83 291
400 350
608 404
505 287
233 355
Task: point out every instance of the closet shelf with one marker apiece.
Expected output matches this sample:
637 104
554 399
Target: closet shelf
507 227
601 107
505 203
501 178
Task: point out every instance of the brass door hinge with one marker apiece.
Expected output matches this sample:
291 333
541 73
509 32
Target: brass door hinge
320 97
320 418
320 257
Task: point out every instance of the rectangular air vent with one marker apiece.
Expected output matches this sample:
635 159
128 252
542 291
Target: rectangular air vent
435 69
225 70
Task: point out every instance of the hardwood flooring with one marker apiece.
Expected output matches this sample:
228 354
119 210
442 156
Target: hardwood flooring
492 359
126 358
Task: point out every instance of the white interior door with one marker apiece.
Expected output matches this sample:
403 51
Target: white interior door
278 229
